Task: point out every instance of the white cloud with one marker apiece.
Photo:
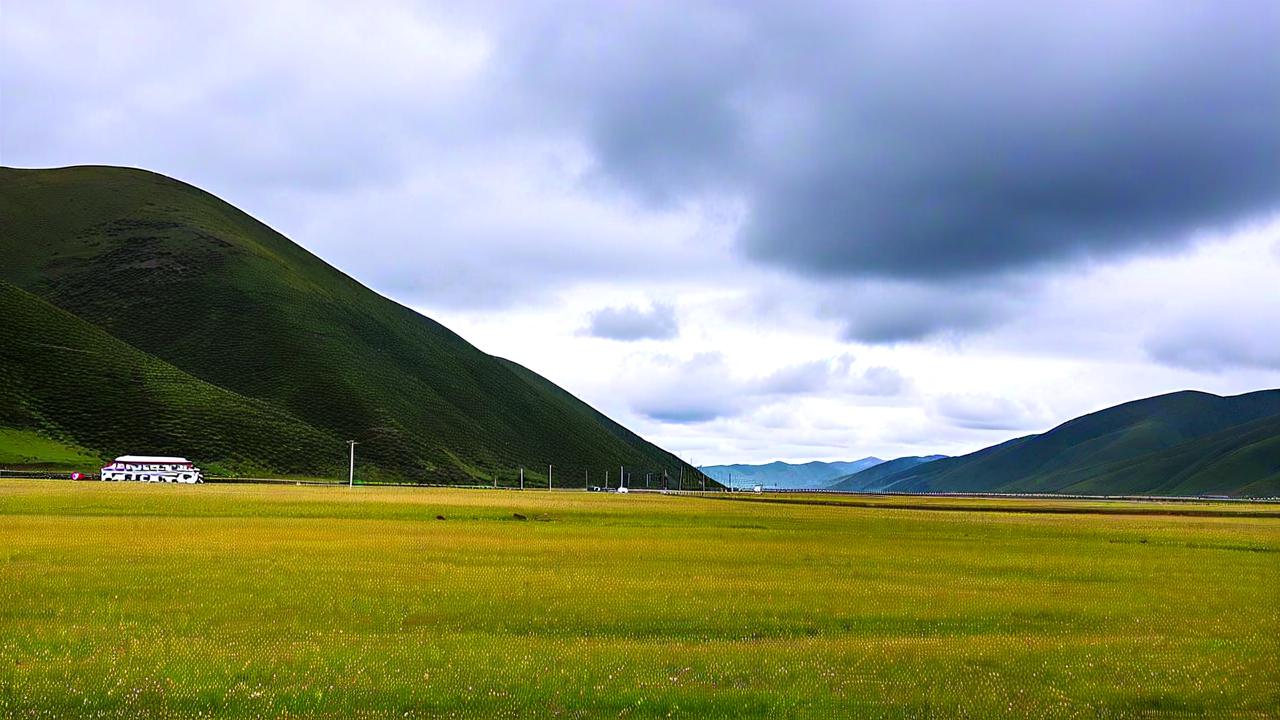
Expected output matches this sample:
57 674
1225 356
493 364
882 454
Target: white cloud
696 390
705 387
1218 341
986 412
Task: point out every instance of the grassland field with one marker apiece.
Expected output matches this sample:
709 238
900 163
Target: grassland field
131 600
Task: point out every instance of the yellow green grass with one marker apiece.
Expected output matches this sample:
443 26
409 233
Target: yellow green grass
121 600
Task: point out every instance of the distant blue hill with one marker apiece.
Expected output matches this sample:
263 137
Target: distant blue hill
787 475
872 479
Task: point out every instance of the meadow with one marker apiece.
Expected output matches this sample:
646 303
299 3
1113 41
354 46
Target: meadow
130 600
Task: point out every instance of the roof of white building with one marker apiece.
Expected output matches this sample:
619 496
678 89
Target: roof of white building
152 459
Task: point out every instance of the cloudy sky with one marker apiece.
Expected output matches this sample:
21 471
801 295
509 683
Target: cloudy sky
748 231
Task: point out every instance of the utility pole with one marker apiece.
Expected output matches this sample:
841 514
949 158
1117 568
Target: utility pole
606 479
521 478
351 468
548 478
586 479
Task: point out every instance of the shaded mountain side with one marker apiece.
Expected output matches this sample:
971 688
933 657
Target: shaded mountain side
1241 460
872 479
73 382
814 474
1062 458
186 278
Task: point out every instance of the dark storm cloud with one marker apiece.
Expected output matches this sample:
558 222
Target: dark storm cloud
634 323
650 88
923 142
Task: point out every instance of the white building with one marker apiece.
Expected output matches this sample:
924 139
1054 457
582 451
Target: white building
147 468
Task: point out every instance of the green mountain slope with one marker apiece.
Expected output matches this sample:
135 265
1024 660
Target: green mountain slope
29 450
872 479
1241 460
71 381
191 281
1140 447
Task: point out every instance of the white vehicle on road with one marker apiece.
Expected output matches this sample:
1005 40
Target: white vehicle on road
149 468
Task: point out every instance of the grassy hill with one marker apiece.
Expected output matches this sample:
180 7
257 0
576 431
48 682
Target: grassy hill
28 450
1184 443
77 385
872 479
1241 460
253 332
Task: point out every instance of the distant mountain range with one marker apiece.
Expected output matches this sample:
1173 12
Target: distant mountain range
872 478
787 475
1183 443
139 314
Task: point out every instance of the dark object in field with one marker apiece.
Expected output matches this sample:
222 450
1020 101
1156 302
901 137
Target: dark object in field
518 516
439 517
